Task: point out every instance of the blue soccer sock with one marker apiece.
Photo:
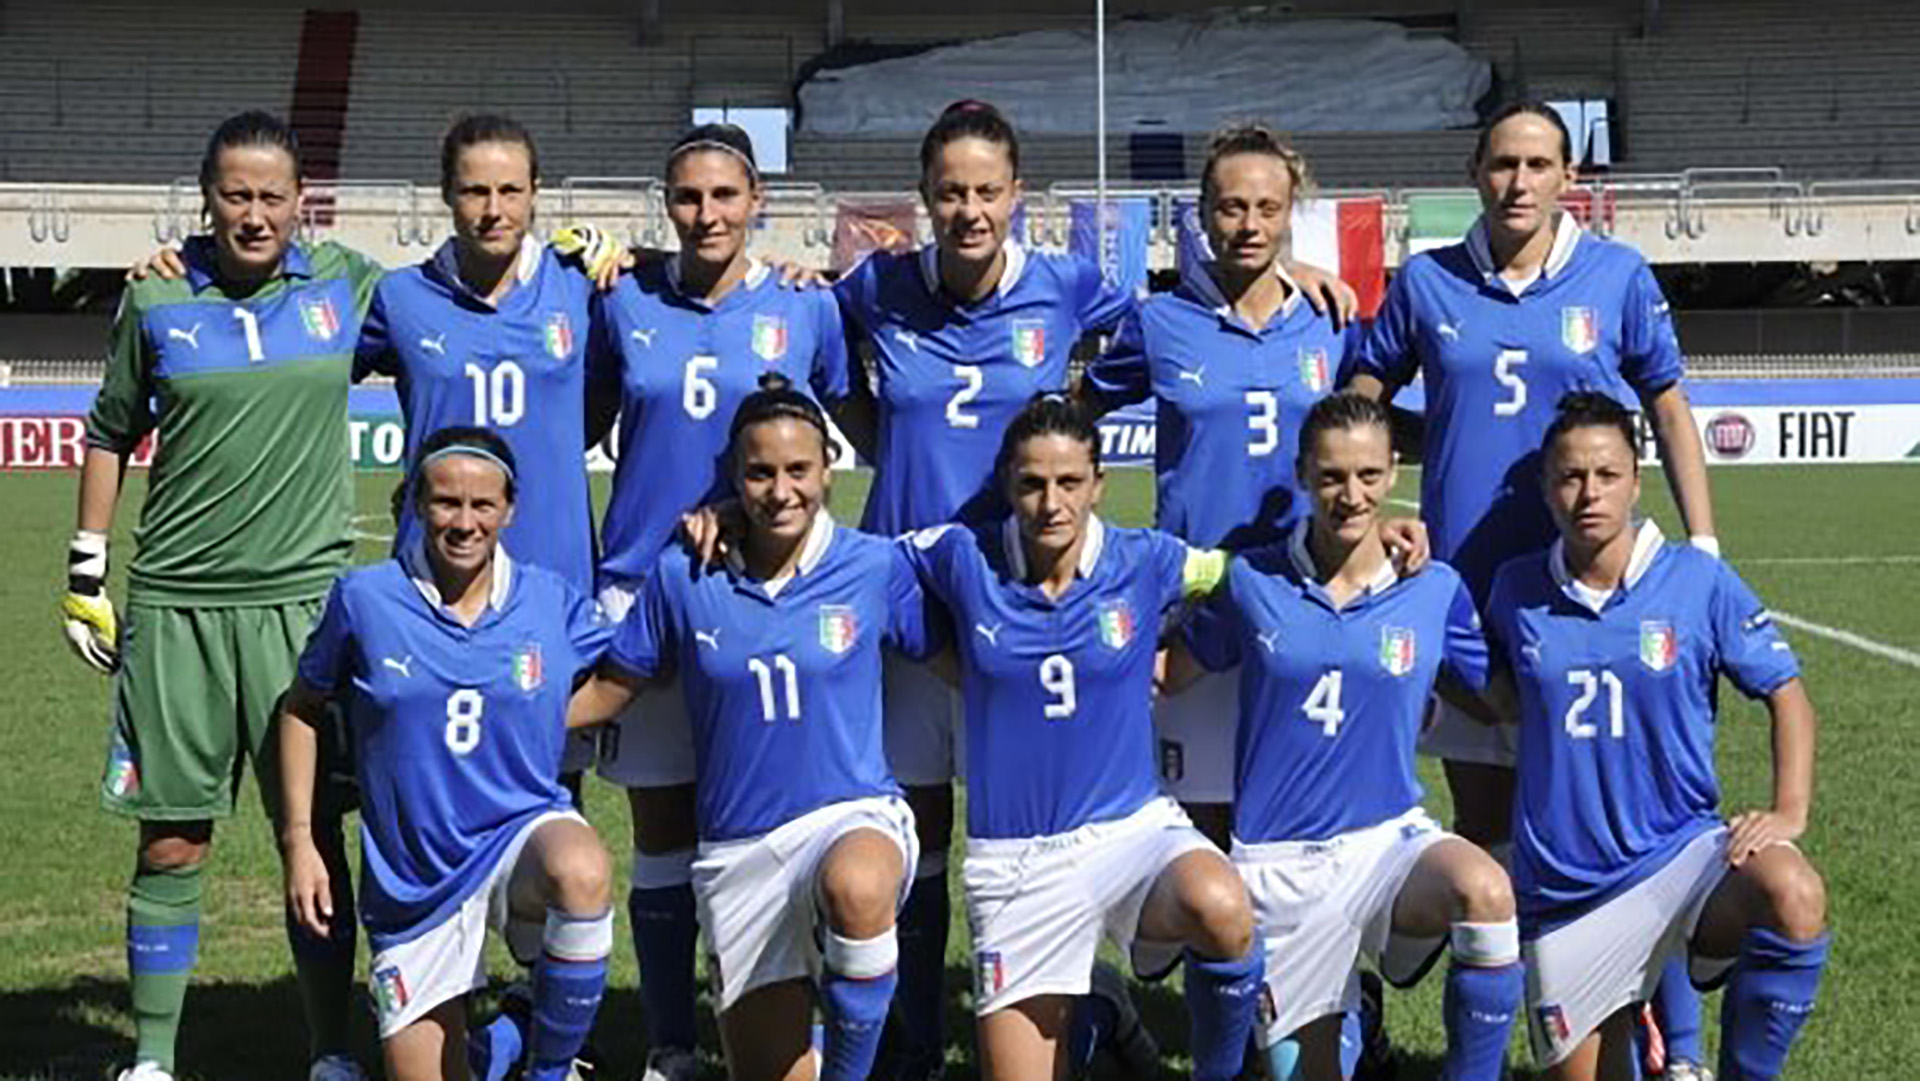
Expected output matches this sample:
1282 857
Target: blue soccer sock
1283 1061
1222 997
921 1000
163 944
1768 998
1484 986
857 991
666 932
1353 1040
493 1051
1676 1008
568 981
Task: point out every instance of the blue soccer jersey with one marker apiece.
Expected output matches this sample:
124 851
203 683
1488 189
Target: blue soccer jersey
1496 365
782 680
519 369
952 376
1231 401
1057 692
457 731
1617 713
1331 698
681 368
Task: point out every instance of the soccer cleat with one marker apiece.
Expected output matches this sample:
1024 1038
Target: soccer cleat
671 1064
1130 1044
144 1071
335 1068
1680 1070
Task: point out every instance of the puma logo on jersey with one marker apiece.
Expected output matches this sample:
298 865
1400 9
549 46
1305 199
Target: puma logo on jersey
1449 332
710 638
991 634
191 337
644 337
435 345
907 338
1197 376
405 668
1531 651
1271 640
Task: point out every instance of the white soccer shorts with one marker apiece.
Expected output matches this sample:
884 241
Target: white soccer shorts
1196 733
758 897
925 738
1039 905
449 960
1580 973
650 745
1452 736
1319 905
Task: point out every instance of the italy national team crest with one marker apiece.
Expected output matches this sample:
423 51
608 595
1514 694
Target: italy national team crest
1116 623
992 972
559 335
318 316
1030 341
1553 1022
123 773
391 989
1659 644
1313 370
839 629
769 337
528 672
1396 650
1579 329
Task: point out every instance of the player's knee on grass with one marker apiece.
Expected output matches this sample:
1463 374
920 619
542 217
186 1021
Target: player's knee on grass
1791 895
174 846
663 819
860 883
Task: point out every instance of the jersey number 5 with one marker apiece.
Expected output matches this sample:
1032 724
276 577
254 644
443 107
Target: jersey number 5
1506 372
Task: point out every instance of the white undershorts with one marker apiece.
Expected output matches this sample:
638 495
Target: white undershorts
650 745
1196 733
925 738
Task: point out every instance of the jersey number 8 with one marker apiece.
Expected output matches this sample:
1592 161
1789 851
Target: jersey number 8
464 708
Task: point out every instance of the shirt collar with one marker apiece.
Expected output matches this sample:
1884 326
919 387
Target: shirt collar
757 272
1647 542
446 265
420 569
1302 557
812 550
1566 235
1017 555
1209 292
1009 276
203 266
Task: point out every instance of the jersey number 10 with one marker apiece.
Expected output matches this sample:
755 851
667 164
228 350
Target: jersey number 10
499 394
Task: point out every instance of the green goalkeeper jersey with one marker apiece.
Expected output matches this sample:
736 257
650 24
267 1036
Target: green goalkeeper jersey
250 495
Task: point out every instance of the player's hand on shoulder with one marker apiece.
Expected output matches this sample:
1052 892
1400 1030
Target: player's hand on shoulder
86 613
709 531
594 250
1407 544
166 264
795 276
1752 831
309 889
1326 292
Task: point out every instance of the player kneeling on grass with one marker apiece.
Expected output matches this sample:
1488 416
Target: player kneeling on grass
806 843
1337 655
1616 641
1057 620
453 665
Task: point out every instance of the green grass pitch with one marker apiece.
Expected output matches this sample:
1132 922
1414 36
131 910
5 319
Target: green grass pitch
1834 546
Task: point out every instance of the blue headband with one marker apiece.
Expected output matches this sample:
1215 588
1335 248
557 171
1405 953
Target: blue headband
471 452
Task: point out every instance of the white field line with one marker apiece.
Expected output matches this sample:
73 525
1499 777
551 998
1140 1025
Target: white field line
1848 638
1824 561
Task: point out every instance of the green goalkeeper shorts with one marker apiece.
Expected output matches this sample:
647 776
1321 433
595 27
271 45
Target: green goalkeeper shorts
196 697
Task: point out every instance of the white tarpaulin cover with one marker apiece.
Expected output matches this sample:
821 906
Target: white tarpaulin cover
1188 74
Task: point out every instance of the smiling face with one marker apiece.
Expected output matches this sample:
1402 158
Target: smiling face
491 197
970 192
1347 473
254 201
1054 488
1592 484
1249 211
463 503
780 471
1522 175
712 201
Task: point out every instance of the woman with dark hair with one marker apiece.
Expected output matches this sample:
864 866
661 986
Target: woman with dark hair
452 664
239 367
805 844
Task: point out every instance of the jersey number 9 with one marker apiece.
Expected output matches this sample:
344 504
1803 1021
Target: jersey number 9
1056 678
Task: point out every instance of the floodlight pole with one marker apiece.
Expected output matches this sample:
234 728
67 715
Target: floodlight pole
1100 113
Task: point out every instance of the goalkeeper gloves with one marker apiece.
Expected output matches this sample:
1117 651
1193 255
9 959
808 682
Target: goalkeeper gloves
593 248
91 628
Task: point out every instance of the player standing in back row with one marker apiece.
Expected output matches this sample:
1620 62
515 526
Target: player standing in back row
240 369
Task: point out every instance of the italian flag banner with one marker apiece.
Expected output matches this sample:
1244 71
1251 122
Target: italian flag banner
1437 219
1346 236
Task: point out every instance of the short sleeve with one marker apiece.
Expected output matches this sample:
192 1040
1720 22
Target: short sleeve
917 624
643 642
1747 645
587 627
1121 376
854 293
1466 646
1213 634
928 554
1650 358
324 663
1172 562
122 412
374 354
365 274
831 377
1389 352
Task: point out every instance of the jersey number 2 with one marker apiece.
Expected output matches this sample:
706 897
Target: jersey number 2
971 380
